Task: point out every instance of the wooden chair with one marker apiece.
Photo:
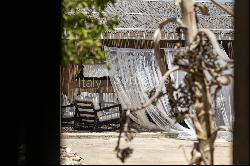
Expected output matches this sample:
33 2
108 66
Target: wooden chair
106 114
87 116
68 121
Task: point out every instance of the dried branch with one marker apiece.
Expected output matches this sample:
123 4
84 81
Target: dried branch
185 154
224 8
156 40
188 19
202 8
157 37
200 61
215 44
125 153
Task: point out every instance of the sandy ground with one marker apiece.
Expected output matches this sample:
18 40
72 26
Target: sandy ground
149 149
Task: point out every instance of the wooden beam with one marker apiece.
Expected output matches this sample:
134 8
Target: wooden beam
241 89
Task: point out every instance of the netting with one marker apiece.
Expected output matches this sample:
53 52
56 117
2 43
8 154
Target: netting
135 74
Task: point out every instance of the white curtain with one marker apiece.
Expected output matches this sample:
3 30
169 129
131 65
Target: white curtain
133 75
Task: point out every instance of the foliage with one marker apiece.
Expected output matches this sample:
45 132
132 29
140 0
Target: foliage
83 23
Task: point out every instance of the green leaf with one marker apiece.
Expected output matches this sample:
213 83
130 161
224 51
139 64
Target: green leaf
109 65
82 40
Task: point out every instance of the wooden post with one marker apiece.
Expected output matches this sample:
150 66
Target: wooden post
241 89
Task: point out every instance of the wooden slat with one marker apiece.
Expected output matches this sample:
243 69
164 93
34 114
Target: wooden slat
67 119
140 44
112 121
86 102
106 108
86 112
85 107
109 103
66 106
88 121
86 118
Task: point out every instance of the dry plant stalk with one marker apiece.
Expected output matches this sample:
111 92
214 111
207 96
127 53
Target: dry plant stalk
125 129
206 67
203 72
202 62
228 11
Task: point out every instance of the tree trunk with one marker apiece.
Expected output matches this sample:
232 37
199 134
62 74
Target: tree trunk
68 77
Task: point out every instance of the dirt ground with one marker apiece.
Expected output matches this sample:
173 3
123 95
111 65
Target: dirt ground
149 149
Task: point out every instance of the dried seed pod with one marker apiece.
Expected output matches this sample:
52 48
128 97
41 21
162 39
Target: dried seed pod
223 80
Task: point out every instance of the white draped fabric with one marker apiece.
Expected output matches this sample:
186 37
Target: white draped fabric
135 73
